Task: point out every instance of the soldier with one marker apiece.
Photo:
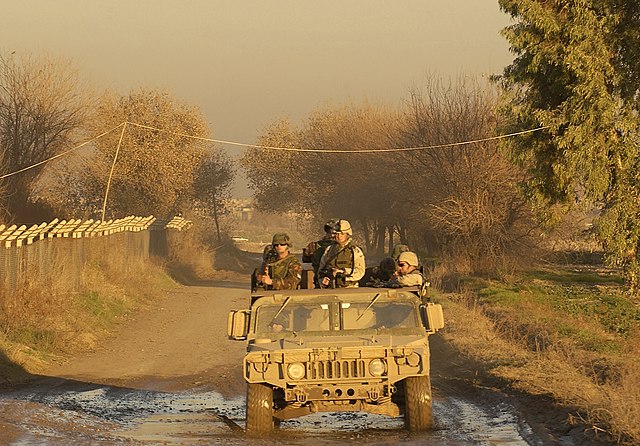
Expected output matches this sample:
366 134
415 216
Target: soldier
342 263
408 273
281 271
397 250
377 276
314 250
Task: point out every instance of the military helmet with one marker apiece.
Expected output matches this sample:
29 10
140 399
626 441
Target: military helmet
409 257
329 225
343 226
388 264
281 238
399 249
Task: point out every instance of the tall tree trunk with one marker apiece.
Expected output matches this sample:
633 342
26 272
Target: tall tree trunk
215 217
380 243
367 238
391 229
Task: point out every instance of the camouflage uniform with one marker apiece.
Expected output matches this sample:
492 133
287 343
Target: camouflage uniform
414 278
411 277
314 250
285 273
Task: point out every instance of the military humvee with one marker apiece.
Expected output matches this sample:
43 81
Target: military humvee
334 350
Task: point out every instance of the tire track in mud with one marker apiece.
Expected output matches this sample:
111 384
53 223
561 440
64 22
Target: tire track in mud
72 412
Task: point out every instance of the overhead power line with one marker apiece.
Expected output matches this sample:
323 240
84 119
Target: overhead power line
295 149
59 155
287 149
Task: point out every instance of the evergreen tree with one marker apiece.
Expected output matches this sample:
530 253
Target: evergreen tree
576 72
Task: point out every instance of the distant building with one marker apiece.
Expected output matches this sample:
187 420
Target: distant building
246 213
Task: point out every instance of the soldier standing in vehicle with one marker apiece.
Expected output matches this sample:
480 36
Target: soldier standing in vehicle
342 264
282 272
314 250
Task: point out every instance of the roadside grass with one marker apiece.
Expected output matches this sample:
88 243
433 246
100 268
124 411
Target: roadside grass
197 256
42 322
570 333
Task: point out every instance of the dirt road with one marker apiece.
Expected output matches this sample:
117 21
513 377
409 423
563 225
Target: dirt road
169 375
180 344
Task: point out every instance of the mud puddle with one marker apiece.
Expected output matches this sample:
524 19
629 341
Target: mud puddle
92 414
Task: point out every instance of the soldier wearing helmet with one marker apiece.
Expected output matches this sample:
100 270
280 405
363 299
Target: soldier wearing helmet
378 276
397 250
282 270
314 250
408 273
342 263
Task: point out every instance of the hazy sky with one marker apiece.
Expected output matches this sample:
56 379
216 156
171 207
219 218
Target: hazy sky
246 63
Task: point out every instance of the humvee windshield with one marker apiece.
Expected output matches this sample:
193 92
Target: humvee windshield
337 315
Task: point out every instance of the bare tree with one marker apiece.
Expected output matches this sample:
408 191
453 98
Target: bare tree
41 108
4 211
459 202
465 201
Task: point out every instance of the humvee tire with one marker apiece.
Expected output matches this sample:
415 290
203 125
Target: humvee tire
418 409
259 408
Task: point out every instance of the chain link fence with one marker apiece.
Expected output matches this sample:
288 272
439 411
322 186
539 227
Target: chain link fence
65 248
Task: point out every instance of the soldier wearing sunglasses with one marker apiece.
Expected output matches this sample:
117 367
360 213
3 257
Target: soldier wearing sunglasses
282 270
408 273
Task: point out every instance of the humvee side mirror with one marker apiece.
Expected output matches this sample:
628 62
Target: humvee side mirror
238 325
432 316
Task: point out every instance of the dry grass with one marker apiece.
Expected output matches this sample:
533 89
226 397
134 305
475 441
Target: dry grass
45 320
196 257
193 257
556 344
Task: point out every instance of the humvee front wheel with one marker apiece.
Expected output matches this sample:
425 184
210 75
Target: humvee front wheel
259 408
418 410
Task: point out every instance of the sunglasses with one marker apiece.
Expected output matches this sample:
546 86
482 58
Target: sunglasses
402 264
280 244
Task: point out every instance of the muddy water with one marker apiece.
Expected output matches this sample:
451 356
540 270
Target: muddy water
64 413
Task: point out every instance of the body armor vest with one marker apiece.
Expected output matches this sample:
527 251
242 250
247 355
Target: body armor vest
342 259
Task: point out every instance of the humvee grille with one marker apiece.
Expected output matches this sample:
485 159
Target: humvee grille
354 368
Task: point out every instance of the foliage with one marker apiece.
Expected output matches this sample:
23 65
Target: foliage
460 203
574 295
576 72
273 175
105 309
154 169
566 332
327 185
41 110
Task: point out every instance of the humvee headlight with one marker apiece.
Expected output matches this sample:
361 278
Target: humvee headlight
296 370
377 367
413 359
